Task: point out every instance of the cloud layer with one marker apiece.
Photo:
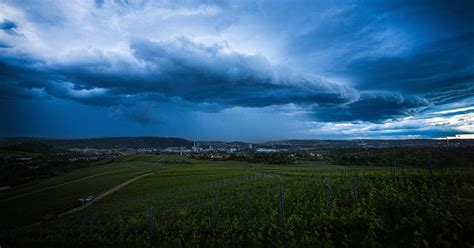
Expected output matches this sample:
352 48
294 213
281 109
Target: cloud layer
155 62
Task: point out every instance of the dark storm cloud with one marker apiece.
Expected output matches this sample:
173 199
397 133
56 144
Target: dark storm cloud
184 69
378 61
373 107
200 73
197 73
99 3
362 27
143 112
446 17
430 69
451 94
7 25
413 47
4 45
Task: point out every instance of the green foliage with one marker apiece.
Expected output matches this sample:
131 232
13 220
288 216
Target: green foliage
409 156
29 161
236 205
31 147
120 142
277 158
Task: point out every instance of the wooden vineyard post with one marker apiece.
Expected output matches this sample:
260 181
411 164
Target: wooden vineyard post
248 206
355 188
214 215
329 194
394 169
430 166
282 216
394 174
151 226
41 231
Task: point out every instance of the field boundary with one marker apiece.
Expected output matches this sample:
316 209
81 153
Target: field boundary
58 185
109 192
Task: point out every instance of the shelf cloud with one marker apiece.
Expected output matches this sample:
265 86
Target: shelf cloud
155 63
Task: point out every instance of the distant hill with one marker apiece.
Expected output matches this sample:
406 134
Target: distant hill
30 147
165 142
328 144
119 143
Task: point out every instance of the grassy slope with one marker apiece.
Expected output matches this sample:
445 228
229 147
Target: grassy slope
181 190
54 195
60 193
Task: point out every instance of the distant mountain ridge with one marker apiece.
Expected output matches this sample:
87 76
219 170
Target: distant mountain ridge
31 147
108 143
165 142
376 143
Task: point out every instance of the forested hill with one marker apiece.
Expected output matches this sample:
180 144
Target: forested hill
122 142
165 142
110 143
32 147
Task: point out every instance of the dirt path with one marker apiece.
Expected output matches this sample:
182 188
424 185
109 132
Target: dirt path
57 185
116 188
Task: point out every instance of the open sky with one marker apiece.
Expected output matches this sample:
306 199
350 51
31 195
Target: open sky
237 70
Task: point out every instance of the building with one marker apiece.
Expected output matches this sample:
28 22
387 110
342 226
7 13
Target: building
266 150
196 147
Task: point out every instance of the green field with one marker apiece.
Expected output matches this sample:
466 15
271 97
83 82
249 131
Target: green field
198 203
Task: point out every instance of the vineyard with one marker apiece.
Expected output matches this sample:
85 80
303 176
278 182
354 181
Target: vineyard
210 204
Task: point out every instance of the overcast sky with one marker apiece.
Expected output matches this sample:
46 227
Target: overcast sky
237 70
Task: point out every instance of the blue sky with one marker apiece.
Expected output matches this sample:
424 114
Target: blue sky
237 70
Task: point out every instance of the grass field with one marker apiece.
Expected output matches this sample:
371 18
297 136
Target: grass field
29 203
197 203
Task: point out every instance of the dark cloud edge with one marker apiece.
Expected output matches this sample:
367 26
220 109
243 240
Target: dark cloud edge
182 71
